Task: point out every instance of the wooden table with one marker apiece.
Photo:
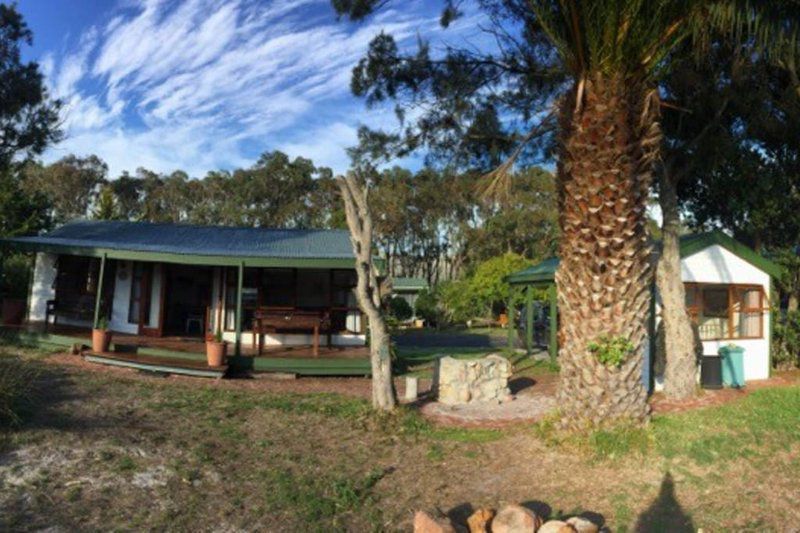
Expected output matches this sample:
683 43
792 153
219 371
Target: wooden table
274 320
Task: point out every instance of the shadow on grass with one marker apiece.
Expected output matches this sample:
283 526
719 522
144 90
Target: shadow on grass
665 513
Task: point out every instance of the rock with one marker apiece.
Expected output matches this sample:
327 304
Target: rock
515 519
473 380
583 525
556 526
425 523
479 521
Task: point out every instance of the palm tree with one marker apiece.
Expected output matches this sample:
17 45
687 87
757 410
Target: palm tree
610 145
601 61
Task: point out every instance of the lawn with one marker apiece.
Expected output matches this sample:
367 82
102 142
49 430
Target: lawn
113 449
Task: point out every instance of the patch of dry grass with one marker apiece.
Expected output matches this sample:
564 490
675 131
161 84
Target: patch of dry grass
116 451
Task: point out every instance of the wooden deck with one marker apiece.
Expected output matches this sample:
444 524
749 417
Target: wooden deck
167 365
183 352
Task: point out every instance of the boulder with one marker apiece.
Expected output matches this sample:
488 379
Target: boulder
425 523
479 521
461 381
556 526
583 525
516 519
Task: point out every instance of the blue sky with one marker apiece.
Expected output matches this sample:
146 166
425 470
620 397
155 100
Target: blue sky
211 84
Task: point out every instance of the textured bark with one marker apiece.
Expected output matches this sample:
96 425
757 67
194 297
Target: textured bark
609 144
680 372
368 293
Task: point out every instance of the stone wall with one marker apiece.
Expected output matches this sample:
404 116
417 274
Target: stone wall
462 381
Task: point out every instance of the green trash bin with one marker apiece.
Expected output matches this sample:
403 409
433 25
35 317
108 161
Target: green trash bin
732 365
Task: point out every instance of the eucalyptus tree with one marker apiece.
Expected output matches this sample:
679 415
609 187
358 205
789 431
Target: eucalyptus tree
593 68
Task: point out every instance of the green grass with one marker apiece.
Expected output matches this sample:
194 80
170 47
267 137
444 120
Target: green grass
762 423
321 501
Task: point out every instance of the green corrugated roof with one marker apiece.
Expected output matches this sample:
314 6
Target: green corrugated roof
409 284
545 271
192 240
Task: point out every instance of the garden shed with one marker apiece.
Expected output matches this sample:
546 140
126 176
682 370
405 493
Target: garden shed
729 289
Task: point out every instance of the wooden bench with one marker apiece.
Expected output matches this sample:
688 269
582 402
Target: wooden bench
290 320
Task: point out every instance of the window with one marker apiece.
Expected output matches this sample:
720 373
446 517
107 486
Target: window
287 288
726 311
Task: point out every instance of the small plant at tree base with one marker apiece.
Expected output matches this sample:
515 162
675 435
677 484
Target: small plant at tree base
102 323
611 351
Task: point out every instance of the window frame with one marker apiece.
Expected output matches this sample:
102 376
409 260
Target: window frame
732 289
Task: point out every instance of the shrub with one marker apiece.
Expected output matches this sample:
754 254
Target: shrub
16 275
484 293
16 389
400 309
786 340
427 308
611 351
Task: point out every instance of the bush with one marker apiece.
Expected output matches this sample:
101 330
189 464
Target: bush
16 389
16 276
786 340
427 308
400 309
485 292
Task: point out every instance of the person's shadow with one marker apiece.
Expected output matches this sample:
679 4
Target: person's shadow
665 513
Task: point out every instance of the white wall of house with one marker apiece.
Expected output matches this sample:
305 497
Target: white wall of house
43 287
717 265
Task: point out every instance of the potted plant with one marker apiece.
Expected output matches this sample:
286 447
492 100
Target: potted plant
101 336
215 349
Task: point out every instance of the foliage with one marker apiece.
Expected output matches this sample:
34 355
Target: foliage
106 208
426 307
17 378
400 309
28 118
22 212
70 184
16 276
786 340
102 323
484 292
611 351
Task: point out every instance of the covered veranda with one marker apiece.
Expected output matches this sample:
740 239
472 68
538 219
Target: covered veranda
150 282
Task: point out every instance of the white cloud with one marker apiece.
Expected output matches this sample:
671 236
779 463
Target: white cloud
209 84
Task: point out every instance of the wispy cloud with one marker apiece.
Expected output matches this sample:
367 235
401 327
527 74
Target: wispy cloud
207 84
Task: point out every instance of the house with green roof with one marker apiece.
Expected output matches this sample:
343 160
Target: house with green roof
729 290
165 287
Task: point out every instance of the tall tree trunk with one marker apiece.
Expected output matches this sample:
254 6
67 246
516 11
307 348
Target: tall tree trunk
610 140
359 221
680 372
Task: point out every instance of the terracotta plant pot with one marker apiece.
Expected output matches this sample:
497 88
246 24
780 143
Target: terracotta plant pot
215 352
101 340
13 311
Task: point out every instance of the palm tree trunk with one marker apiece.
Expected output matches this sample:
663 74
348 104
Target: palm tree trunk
605 168
680 372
